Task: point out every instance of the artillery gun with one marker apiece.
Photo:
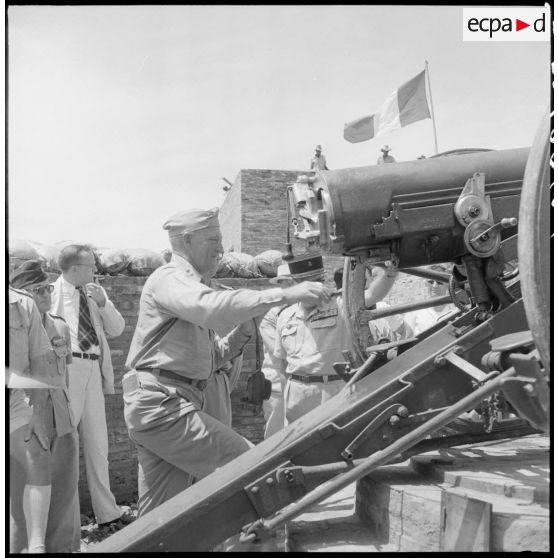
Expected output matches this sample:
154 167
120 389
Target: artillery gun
479 211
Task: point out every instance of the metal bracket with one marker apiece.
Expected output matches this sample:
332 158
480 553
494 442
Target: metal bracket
344 370
529 392
276 489
453 358
472 203
347 453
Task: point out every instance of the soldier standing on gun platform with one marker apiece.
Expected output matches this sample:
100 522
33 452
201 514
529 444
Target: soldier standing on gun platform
385 157
174 351
318 162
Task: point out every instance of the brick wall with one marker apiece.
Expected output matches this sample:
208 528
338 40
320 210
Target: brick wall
254 215
230 217
264 210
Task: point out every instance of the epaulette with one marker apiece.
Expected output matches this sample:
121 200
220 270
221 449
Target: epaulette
283 308
24 293
56 317
291 307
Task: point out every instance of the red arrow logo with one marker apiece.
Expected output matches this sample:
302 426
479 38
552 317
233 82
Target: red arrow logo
519 25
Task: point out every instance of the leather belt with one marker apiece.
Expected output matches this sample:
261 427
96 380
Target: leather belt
86 356
314 379
162 373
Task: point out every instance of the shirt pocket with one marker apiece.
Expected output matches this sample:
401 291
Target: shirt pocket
290 338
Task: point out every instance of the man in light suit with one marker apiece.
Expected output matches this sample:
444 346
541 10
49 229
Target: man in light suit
91 317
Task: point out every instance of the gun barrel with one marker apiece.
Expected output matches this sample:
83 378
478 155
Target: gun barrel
412 203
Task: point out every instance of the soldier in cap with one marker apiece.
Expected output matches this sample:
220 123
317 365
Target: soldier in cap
318 162
385 157
309 339
174 351
61 517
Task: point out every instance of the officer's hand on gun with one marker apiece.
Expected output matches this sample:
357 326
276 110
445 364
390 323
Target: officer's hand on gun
308 292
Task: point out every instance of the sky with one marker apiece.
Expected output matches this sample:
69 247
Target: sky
120 116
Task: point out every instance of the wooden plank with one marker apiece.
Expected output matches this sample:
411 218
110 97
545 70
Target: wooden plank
465 523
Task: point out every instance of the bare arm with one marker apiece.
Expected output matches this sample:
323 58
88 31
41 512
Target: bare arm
380 286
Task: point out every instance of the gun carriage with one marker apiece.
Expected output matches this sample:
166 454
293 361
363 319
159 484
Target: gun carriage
483 212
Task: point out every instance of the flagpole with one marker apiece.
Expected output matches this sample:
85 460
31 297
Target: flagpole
431 107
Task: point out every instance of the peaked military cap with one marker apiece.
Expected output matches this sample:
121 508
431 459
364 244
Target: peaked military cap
308 266
192 220
283 273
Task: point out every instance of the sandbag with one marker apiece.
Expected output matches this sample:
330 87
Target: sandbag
237 264
23 249
63 243
49 253
20 251
143 262
268 262
112 261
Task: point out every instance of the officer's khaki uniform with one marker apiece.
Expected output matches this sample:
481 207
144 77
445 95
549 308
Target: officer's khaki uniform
63 527
217 394
29 347
309 343
318 162
174 333
383 160
220 385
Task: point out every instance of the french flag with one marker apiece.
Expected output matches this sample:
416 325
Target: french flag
405 105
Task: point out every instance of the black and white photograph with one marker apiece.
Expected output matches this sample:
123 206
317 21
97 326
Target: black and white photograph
278 278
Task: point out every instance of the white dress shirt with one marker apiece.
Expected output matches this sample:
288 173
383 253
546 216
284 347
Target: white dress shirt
71 315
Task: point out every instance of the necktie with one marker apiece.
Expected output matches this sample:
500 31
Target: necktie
86 332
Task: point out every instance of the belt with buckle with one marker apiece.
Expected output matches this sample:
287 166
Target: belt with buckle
86 356
162 373
314 379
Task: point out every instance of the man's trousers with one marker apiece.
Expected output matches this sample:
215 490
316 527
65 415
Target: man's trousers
175 439
88 405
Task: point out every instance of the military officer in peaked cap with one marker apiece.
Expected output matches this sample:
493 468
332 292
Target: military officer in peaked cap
174 350
309 339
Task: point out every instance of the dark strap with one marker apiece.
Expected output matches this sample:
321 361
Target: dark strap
315 379
86 356
258 347
171 375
